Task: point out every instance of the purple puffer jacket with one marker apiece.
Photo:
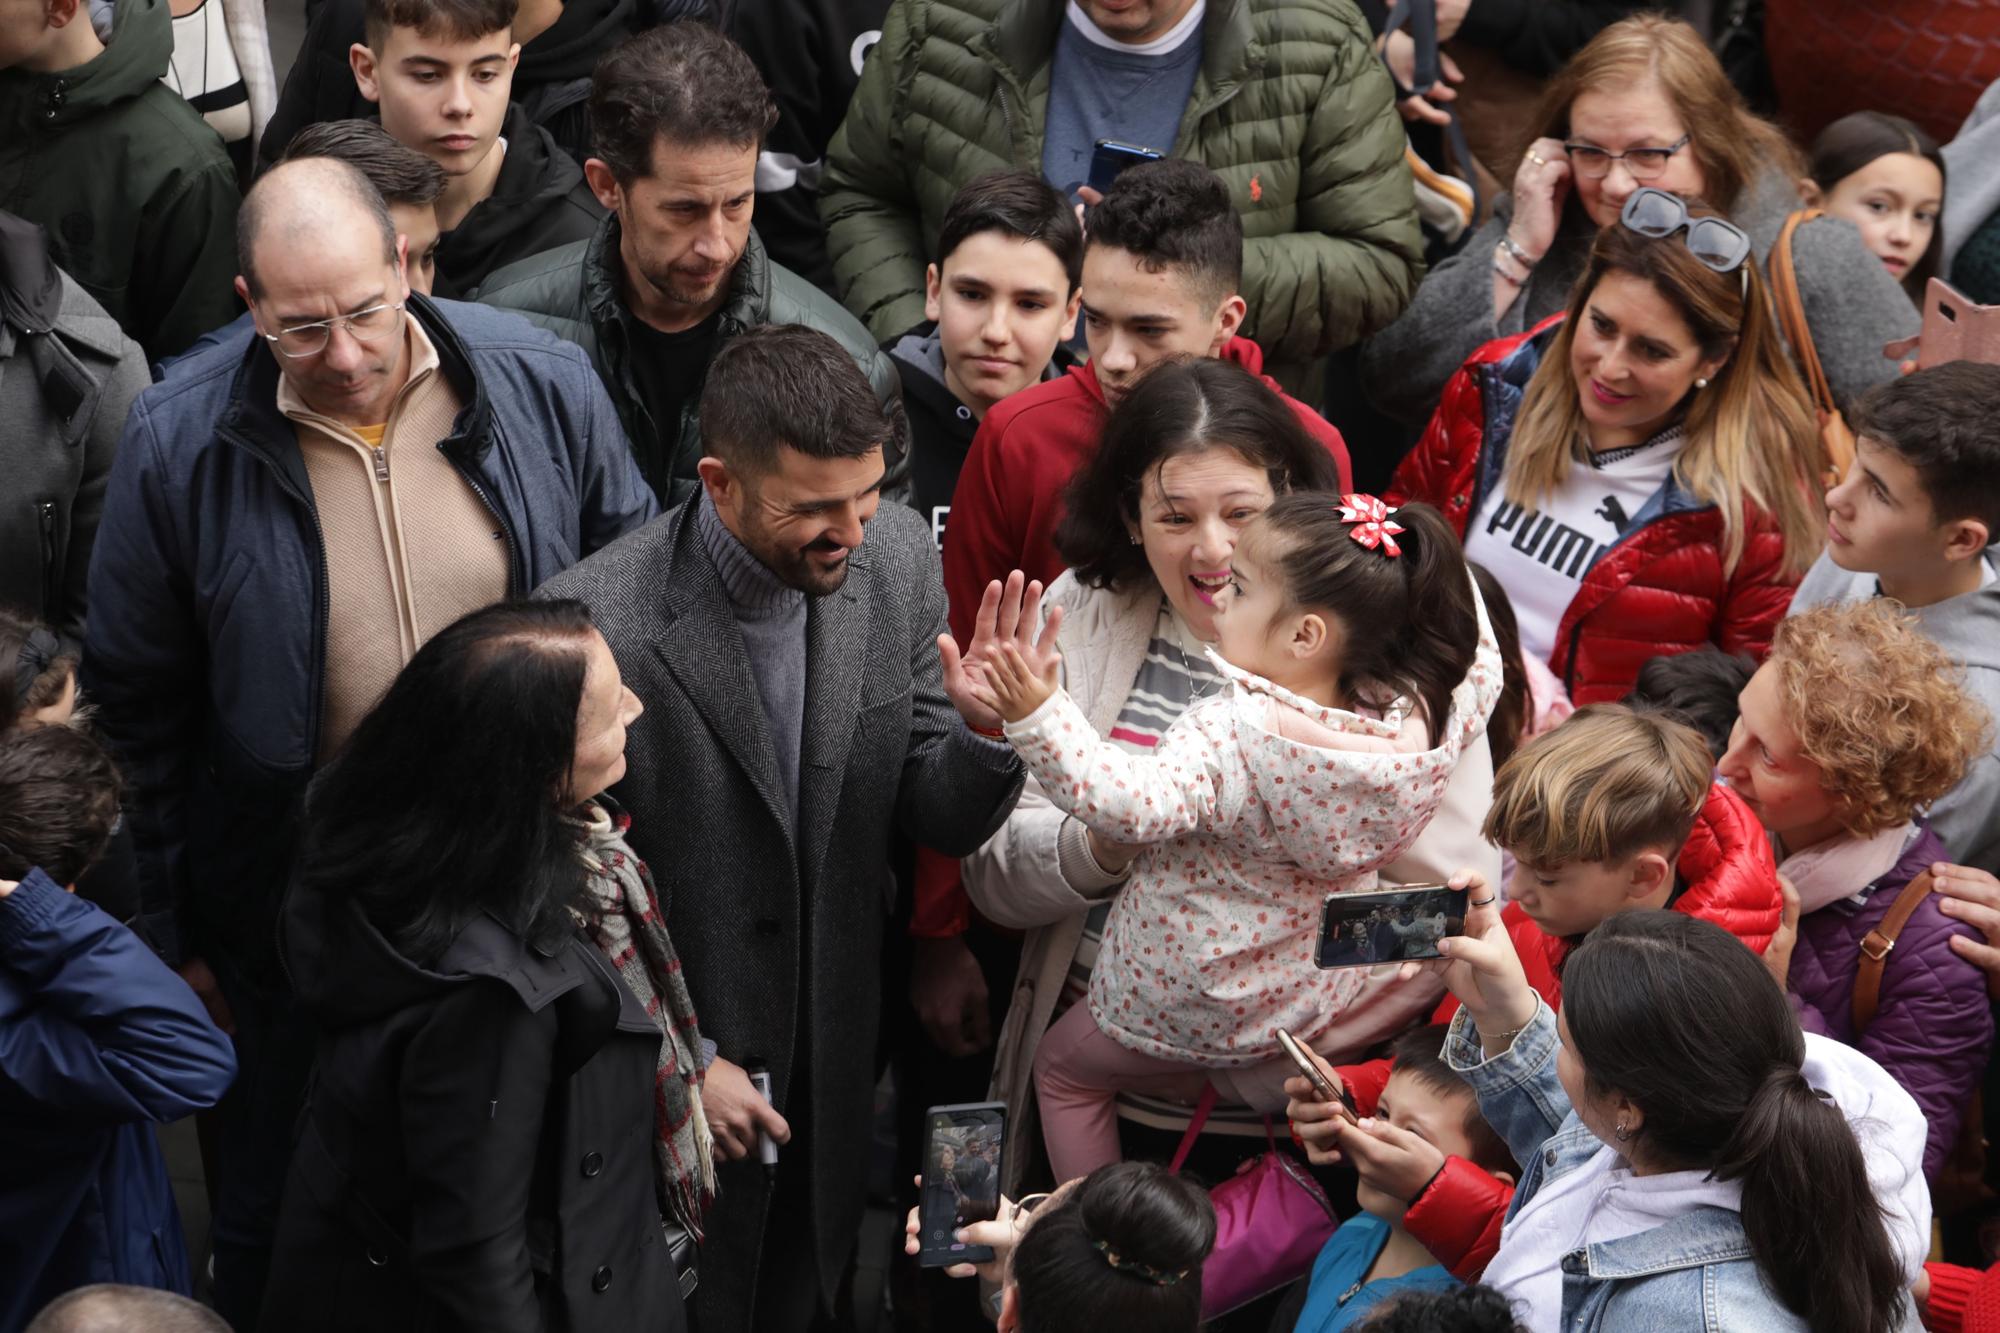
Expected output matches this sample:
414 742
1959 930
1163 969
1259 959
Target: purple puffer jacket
1934 1025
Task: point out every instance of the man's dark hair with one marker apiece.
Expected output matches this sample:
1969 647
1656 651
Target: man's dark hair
400 174
440 20
791 386
1945 423
58 802
113 1308
683 82
1420 1054
1698 688
1173 214
338 178
1019 204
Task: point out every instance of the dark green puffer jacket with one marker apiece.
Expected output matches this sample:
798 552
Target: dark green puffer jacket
136 193
573 293
1290 108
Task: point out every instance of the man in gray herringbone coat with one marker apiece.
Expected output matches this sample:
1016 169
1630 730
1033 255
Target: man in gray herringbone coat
797 717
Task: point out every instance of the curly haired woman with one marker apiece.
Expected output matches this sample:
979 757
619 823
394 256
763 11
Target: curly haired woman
1854 725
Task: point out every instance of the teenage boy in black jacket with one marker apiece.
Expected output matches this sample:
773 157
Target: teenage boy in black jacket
1001 299
440 71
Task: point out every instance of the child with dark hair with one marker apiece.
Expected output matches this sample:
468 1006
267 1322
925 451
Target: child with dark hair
1884 174
1000 299
1359 666
37 674
1914 520
1473 1309
1698 688
99 1041
1430 1114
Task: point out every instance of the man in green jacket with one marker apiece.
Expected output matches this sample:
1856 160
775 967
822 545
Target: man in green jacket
677 115
1281 98
137 194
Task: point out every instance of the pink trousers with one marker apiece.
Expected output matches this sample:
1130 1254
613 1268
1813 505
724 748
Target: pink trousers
1079 1073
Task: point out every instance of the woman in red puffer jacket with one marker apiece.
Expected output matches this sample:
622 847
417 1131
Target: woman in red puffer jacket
1639 472
1592 812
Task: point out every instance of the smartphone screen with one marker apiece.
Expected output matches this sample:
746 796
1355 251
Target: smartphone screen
1396 926
1109 157
962 1160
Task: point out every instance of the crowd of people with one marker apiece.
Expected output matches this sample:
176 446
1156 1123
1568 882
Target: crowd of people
605 604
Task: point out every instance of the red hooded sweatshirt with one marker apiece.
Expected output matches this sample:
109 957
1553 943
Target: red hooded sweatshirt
1004 515
1731 880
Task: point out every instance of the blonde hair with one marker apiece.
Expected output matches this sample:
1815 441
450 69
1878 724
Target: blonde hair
1610 782
1729 143
1752 438
1897 731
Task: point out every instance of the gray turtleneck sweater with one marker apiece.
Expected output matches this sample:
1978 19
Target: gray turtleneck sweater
772 617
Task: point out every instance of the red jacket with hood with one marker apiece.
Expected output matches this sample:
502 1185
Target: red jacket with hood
1731 879
1661 588
1004 515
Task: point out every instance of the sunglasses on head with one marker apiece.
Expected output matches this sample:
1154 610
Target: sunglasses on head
1720 244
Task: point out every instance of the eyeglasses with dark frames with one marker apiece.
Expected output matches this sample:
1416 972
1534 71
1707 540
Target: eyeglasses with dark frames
1644 164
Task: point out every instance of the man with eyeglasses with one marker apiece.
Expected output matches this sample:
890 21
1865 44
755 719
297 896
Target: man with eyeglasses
292 512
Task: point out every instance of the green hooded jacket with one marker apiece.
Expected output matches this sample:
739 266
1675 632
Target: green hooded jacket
1290 108
136 192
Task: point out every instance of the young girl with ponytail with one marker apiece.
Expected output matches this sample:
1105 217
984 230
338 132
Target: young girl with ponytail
1359 665
1689 1158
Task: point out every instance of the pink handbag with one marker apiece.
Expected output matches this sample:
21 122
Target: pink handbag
1271 1220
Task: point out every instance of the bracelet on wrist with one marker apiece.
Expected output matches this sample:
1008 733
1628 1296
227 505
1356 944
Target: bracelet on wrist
1517 254
990 733
1507 274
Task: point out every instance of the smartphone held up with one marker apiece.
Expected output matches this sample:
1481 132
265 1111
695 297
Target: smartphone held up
1393 926
963 1146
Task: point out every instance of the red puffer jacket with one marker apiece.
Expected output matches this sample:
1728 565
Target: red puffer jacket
1660 589
1731 879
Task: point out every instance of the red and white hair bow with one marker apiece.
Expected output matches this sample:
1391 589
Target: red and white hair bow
1372 527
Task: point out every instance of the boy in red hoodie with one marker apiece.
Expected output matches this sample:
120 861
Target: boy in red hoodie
1612 811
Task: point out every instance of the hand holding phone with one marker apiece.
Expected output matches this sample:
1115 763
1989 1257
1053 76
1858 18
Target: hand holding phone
1328 1091
963 1146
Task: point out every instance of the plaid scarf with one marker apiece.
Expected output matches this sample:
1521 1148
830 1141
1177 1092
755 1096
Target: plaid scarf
629 930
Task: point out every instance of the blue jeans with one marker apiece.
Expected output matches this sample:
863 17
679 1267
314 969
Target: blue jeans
254 1125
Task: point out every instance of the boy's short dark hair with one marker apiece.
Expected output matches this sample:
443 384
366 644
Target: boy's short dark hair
443 20
1698 688
1455 1309
400 174
786 384
1945 423
58 802
1420 1054
684 82
1173 214
1019 204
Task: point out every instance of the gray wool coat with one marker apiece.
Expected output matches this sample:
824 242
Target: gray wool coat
64 394
1852 304
780 929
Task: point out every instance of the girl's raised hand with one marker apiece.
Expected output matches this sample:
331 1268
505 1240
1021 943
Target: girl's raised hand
1020 681
1481 968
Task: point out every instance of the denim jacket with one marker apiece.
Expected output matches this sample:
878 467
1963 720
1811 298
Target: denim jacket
1653 1280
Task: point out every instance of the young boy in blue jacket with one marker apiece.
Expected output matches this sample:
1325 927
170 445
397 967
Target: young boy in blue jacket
1372 1260
99 1041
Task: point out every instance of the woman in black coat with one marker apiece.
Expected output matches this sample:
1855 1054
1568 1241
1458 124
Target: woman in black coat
481 1148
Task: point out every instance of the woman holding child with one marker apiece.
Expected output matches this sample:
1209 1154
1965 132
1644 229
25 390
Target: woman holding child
1192 456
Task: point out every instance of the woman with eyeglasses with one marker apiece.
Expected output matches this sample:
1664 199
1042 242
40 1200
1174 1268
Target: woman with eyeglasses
1644 104
1638 472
